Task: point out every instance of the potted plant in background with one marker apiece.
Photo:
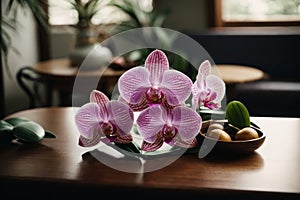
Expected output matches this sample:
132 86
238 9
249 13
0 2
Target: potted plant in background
9 23
87 35
140 16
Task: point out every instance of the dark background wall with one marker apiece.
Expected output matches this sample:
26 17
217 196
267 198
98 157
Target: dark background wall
277 53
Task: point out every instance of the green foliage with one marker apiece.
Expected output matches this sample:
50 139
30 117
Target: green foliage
9 23
86 11
130 147
141 18
28 132
5 126
49 134
237 114
138 17
22 130
16 120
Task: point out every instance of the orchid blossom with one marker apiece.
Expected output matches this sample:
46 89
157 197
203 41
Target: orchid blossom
160 94
154 84
178 126
104 120
208 89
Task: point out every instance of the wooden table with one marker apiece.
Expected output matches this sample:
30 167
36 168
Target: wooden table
60 76
55 168
232 74
236 74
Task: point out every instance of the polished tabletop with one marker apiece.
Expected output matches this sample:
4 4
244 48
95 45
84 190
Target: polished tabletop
60 166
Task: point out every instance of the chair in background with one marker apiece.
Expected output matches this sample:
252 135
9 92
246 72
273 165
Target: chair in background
32 84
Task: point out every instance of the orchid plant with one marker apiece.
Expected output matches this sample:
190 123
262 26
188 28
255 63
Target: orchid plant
158 94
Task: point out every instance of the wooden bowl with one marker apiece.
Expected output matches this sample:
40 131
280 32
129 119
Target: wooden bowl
233 147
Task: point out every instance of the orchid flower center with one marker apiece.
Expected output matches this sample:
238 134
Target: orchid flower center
169 132
154 95
109 130
210 96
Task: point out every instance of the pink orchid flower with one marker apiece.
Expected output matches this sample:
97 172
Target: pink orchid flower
178 126
104 120
154 84
208 90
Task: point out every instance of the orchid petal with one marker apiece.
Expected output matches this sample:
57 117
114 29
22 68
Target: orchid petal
142 105
133 84
151 139
187 121
200 83
197 93
100 99
85 142
195 88
195 102
156 63
171 142
201 97
187 144
204 69
106 140
124 139
177 86
150 122
120 115
87 119
212 105
146 146
216 84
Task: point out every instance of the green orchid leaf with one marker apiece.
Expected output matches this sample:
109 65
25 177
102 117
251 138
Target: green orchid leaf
6 135
135 129
28 132
208 114
237 114
5 126
17 120
49 134
130 147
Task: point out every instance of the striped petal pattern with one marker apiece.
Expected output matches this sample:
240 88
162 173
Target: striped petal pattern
103 120
154 83
178 126
208 90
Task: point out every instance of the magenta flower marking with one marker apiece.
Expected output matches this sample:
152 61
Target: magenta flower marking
208 90
160 94
104 120
178 126
154 84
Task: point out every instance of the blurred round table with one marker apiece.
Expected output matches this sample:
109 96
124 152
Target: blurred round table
235 74
59 76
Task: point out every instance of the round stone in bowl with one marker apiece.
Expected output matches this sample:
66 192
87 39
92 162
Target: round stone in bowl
233 146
